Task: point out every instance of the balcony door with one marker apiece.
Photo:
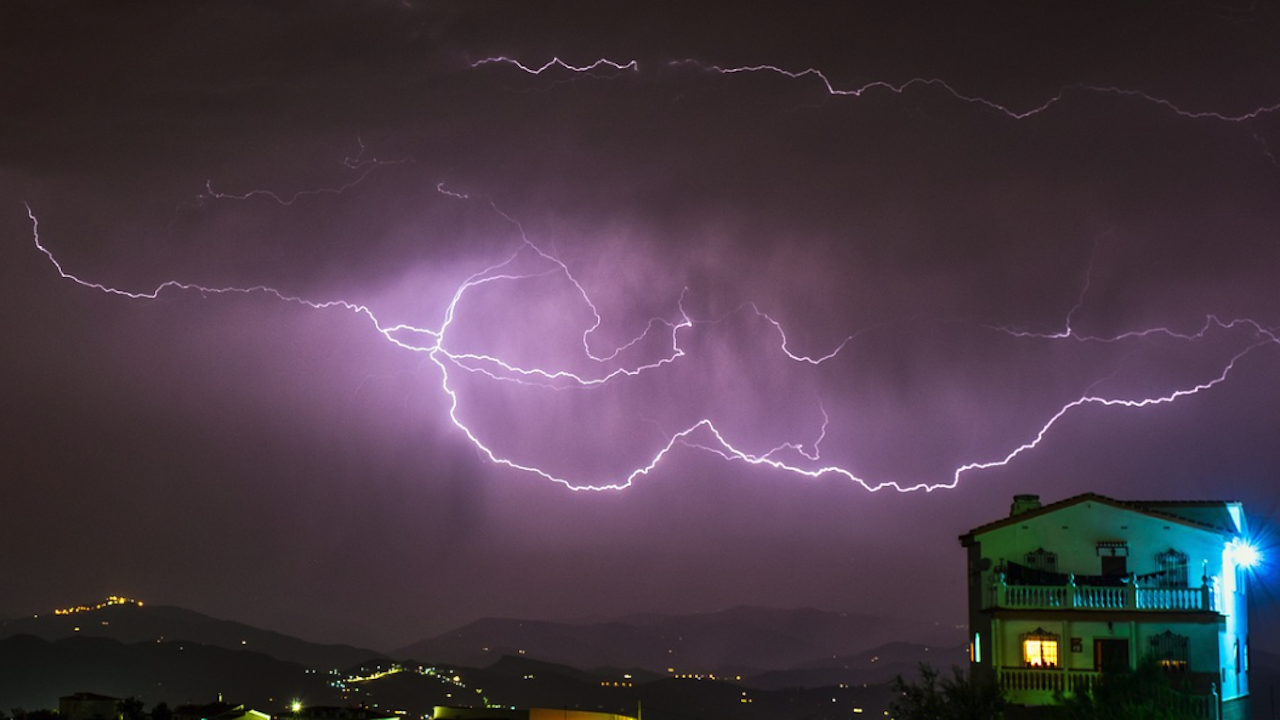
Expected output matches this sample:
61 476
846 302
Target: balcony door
1110 655
1114 566
1114 555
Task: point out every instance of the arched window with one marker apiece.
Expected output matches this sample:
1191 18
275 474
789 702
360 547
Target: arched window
1042 560
1170 650
1171 569
1040 649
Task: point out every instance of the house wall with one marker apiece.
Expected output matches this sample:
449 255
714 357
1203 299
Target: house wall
1075 531
1203 640
1233 642
980 637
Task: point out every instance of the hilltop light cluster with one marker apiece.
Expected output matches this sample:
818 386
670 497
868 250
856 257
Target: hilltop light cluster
350 683
111 600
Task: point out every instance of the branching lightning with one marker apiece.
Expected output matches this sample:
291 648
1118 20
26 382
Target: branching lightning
897 88
528 260
558 63
364 166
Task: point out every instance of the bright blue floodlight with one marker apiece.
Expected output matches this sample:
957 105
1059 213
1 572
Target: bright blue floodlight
1245 554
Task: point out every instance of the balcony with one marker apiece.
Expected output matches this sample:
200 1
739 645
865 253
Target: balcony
1095 597
1043 686
1052 681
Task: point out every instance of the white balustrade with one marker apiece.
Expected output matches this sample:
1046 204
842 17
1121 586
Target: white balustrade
1049 680
1099 597
1040 685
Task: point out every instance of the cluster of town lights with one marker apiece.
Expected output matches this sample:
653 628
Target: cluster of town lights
111 600
350 682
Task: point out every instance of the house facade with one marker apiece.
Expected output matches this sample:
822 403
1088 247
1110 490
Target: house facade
1061 594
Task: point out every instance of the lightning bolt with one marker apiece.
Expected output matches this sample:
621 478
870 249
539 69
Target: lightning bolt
556 62
529 261
831 88
703 434
363 167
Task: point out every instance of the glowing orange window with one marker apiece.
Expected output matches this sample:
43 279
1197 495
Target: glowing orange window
1040 649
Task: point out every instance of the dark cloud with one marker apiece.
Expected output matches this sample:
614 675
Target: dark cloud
1114 176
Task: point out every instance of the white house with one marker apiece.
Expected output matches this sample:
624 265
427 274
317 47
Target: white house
1060 594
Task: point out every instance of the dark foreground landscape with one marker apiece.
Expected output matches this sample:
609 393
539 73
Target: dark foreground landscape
740 663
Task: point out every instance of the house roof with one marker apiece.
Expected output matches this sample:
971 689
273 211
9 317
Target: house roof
1211 515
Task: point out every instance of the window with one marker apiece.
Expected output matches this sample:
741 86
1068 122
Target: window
1171 569
1043 560
1040 649
1170 650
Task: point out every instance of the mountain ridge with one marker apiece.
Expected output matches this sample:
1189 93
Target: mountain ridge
770 646
133 623
743 637
35 672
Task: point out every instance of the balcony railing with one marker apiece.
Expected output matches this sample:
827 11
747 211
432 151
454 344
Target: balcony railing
1042 686
1094 597
1047 680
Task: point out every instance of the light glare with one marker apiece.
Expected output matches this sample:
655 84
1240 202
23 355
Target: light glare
1245 554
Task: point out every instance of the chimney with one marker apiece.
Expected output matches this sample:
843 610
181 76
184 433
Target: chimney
1024 503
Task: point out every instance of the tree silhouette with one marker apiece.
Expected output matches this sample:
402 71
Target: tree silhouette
1146 693
955 698
130 708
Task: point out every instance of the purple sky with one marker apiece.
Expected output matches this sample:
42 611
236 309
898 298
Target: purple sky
969 219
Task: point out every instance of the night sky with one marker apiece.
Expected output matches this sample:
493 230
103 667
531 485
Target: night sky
872 275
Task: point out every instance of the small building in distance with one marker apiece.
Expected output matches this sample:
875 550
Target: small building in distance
88 706
1061 594
218 711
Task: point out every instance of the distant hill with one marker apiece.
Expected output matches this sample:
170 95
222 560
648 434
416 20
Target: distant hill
766 663
35 672
131 623
740 641
522 682
871 667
